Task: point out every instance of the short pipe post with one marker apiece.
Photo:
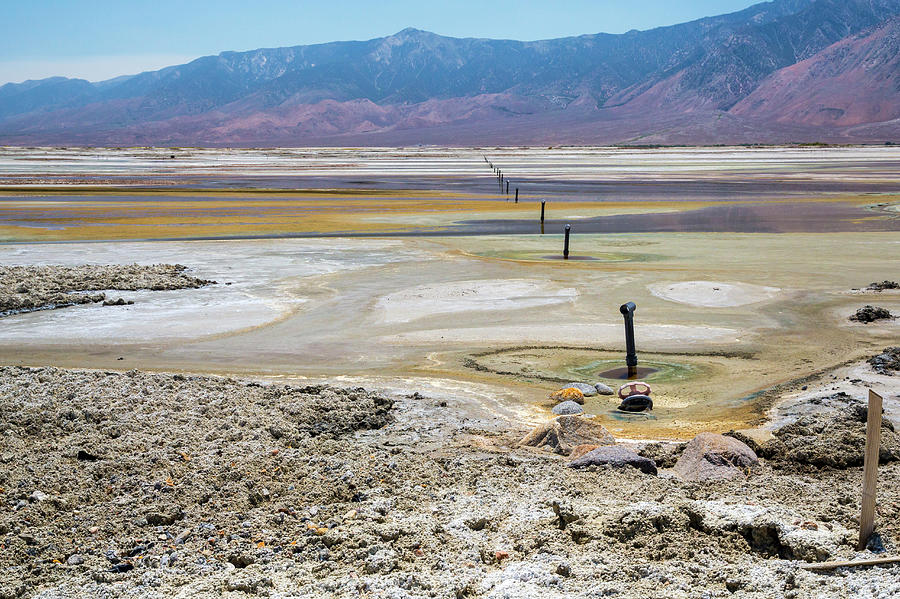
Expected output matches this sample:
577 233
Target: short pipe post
507 187
517 195
631 360
566 245
543 205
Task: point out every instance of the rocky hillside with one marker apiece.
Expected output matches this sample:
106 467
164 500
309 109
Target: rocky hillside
719 79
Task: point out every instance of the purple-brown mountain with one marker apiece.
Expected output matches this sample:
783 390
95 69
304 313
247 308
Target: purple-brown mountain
788 70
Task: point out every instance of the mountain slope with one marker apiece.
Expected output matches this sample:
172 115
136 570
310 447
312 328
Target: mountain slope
852 82
416 86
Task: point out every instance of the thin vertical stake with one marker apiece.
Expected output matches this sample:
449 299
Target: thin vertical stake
543 203
566 246
870 469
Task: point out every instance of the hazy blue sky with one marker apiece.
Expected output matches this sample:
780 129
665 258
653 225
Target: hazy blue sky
99 39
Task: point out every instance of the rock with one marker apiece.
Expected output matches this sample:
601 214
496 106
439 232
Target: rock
586 389
568 394
38 496
604 389
636 403
869 314
616 456
710 456
567 408
76 559
887 362
118 302
580 450
563 433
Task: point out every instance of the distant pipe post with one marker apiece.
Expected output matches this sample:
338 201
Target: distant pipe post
507 187
517 195
631 360
543 205
566 243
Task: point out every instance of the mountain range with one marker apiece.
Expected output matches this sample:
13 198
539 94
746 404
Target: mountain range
777 72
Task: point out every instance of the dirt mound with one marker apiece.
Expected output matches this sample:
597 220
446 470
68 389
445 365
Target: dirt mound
883 285
871 314
887 362
833 439
28 288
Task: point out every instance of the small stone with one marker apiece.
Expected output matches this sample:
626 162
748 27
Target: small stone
76 559
616 456
183 536
567 408
38 496
603 389
586 389
568 394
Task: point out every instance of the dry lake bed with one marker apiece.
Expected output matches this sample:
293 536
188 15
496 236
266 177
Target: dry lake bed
414 274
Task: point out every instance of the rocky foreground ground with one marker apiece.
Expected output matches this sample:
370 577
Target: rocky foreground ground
29 288
156 485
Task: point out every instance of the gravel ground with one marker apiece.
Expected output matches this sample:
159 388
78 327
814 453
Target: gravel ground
156 485
29 288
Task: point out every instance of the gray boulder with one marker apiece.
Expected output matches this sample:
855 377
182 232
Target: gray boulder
567 408
603 389
587 390
616 456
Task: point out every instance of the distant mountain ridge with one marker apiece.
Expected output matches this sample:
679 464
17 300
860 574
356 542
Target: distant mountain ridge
788 70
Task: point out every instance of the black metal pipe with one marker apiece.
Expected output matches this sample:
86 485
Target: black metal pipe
543 203
566 246
507 187
517 195
631 360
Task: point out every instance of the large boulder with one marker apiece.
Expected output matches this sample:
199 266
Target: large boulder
568 394
616 456
710 456
563 433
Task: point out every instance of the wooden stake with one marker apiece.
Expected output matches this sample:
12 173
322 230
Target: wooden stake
870 469
851 564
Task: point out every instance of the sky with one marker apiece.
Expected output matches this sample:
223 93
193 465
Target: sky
101 39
